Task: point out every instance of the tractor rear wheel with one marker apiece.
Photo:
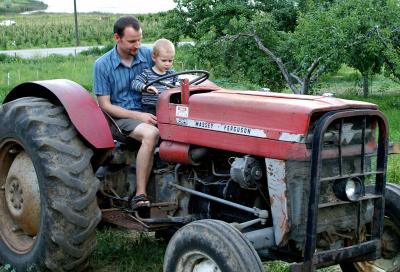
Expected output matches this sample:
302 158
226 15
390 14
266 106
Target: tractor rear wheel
48 208
210 245
390 260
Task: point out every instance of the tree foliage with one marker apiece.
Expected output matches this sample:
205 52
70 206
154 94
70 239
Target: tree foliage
209 22
346 32
299 32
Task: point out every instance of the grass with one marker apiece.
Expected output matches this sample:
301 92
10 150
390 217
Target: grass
348 82
123 250
15 71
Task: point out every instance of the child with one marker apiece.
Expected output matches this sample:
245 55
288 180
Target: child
163 57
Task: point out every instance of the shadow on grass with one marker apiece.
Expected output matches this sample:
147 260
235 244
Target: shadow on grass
124 250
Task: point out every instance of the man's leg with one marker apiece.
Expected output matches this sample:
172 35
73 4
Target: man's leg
148 135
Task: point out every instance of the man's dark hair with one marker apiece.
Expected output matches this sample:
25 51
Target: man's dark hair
126 21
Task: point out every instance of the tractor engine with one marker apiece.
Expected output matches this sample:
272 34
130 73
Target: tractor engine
230 176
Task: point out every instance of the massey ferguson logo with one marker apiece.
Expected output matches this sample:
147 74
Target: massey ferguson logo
237 129
202 124
233 129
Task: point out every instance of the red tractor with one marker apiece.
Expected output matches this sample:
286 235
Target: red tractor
239 177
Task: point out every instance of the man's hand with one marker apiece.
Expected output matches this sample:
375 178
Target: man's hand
145 117
152 89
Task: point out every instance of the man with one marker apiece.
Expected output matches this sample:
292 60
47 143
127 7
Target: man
113 74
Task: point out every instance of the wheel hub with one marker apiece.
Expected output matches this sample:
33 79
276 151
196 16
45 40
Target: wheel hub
22 194
206 266
196 261
15 196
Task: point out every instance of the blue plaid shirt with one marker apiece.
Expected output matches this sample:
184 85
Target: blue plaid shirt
111 77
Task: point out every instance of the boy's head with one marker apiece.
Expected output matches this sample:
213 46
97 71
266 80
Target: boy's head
163 46
163 54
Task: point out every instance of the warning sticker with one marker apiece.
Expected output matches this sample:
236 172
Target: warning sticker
182 111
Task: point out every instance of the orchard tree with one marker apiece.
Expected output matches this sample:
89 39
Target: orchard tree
345 32
209 22
391 41
272 42
194 18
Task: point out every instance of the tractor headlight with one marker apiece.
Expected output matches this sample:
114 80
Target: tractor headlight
349 189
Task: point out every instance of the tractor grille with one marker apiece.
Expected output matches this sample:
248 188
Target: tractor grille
352 148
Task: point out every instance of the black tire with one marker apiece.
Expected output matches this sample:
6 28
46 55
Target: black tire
68 214
390 260
213 244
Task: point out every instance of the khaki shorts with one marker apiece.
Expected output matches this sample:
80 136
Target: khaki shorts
127 125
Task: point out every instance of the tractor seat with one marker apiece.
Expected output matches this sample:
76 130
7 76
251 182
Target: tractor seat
119 135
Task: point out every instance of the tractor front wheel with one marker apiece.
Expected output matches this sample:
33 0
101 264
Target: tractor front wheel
210 245
390 260
48 208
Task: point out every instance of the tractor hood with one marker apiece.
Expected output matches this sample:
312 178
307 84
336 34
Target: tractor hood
239 117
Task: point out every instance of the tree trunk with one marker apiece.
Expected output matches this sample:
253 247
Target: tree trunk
365 85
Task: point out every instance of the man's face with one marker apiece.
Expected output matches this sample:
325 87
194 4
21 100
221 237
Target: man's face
130 42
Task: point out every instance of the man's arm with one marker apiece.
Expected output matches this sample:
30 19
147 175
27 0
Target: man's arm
118 112
101 87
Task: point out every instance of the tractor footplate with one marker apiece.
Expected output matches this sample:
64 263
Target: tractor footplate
126 220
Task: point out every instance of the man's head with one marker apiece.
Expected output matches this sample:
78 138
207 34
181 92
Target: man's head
128 35
163 54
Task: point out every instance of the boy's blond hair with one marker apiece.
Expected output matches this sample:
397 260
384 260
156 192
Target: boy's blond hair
165 45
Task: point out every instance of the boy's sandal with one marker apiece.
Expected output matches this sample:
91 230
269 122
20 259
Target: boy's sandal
139 201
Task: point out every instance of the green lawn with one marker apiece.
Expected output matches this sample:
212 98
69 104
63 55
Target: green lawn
122 250
348 81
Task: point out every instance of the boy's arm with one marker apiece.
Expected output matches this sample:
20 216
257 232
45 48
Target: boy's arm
139 82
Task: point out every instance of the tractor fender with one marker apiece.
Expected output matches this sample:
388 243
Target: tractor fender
82 109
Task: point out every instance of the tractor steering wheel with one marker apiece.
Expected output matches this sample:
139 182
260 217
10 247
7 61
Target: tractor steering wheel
197 80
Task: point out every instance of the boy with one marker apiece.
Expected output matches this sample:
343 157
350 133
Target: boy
163 58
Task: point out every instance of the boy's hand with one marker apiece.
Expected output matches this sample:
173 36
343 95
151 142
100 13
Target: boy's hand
152 89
